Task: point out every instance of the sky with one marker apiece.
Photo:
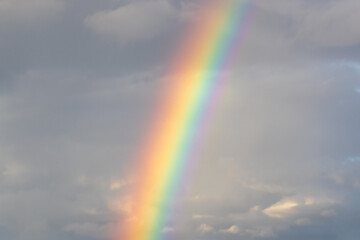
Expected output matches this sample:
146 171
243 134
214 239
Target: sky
79 79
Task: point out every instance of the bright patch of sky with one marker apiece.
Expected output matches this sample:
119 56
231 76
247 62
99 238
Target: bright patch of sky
354 159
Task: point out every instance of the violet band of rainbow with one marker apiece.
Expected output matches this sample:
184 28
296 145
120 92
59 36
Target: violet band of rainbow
195 74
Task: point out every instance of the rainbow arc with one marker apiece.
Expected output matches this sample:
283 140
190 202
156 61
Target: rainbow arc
195 74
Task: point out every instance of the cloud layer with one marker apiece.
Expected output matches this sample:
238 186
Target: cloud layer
136 21
78 84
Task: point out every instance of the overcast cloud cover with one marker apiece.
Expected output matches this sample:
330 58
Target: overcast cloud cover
79 79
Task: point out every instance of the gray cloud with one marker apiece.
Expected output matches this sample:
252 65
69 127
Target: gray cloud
324 23
78 84
15 12
136 21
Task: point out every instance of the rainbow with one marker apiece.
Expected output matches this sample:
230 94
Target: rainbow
194 77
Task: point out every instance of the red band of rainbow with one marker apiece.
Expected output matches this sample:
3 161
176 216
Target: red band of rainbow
195 75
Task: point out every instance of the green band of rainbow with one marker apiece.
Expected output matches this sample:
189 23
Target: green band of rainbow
195 76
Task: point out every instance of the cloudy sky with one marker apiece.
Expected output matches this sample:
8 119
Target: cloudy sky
78 82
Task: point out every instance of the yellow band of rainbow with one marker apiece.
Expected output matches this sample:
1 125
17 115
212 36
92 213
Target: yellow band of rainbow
194 76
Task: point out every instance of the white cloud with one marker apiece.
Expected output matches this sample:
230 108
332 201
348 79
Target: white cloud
255 208
204 228
298 206
116 185
136 21
281 209
233 229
